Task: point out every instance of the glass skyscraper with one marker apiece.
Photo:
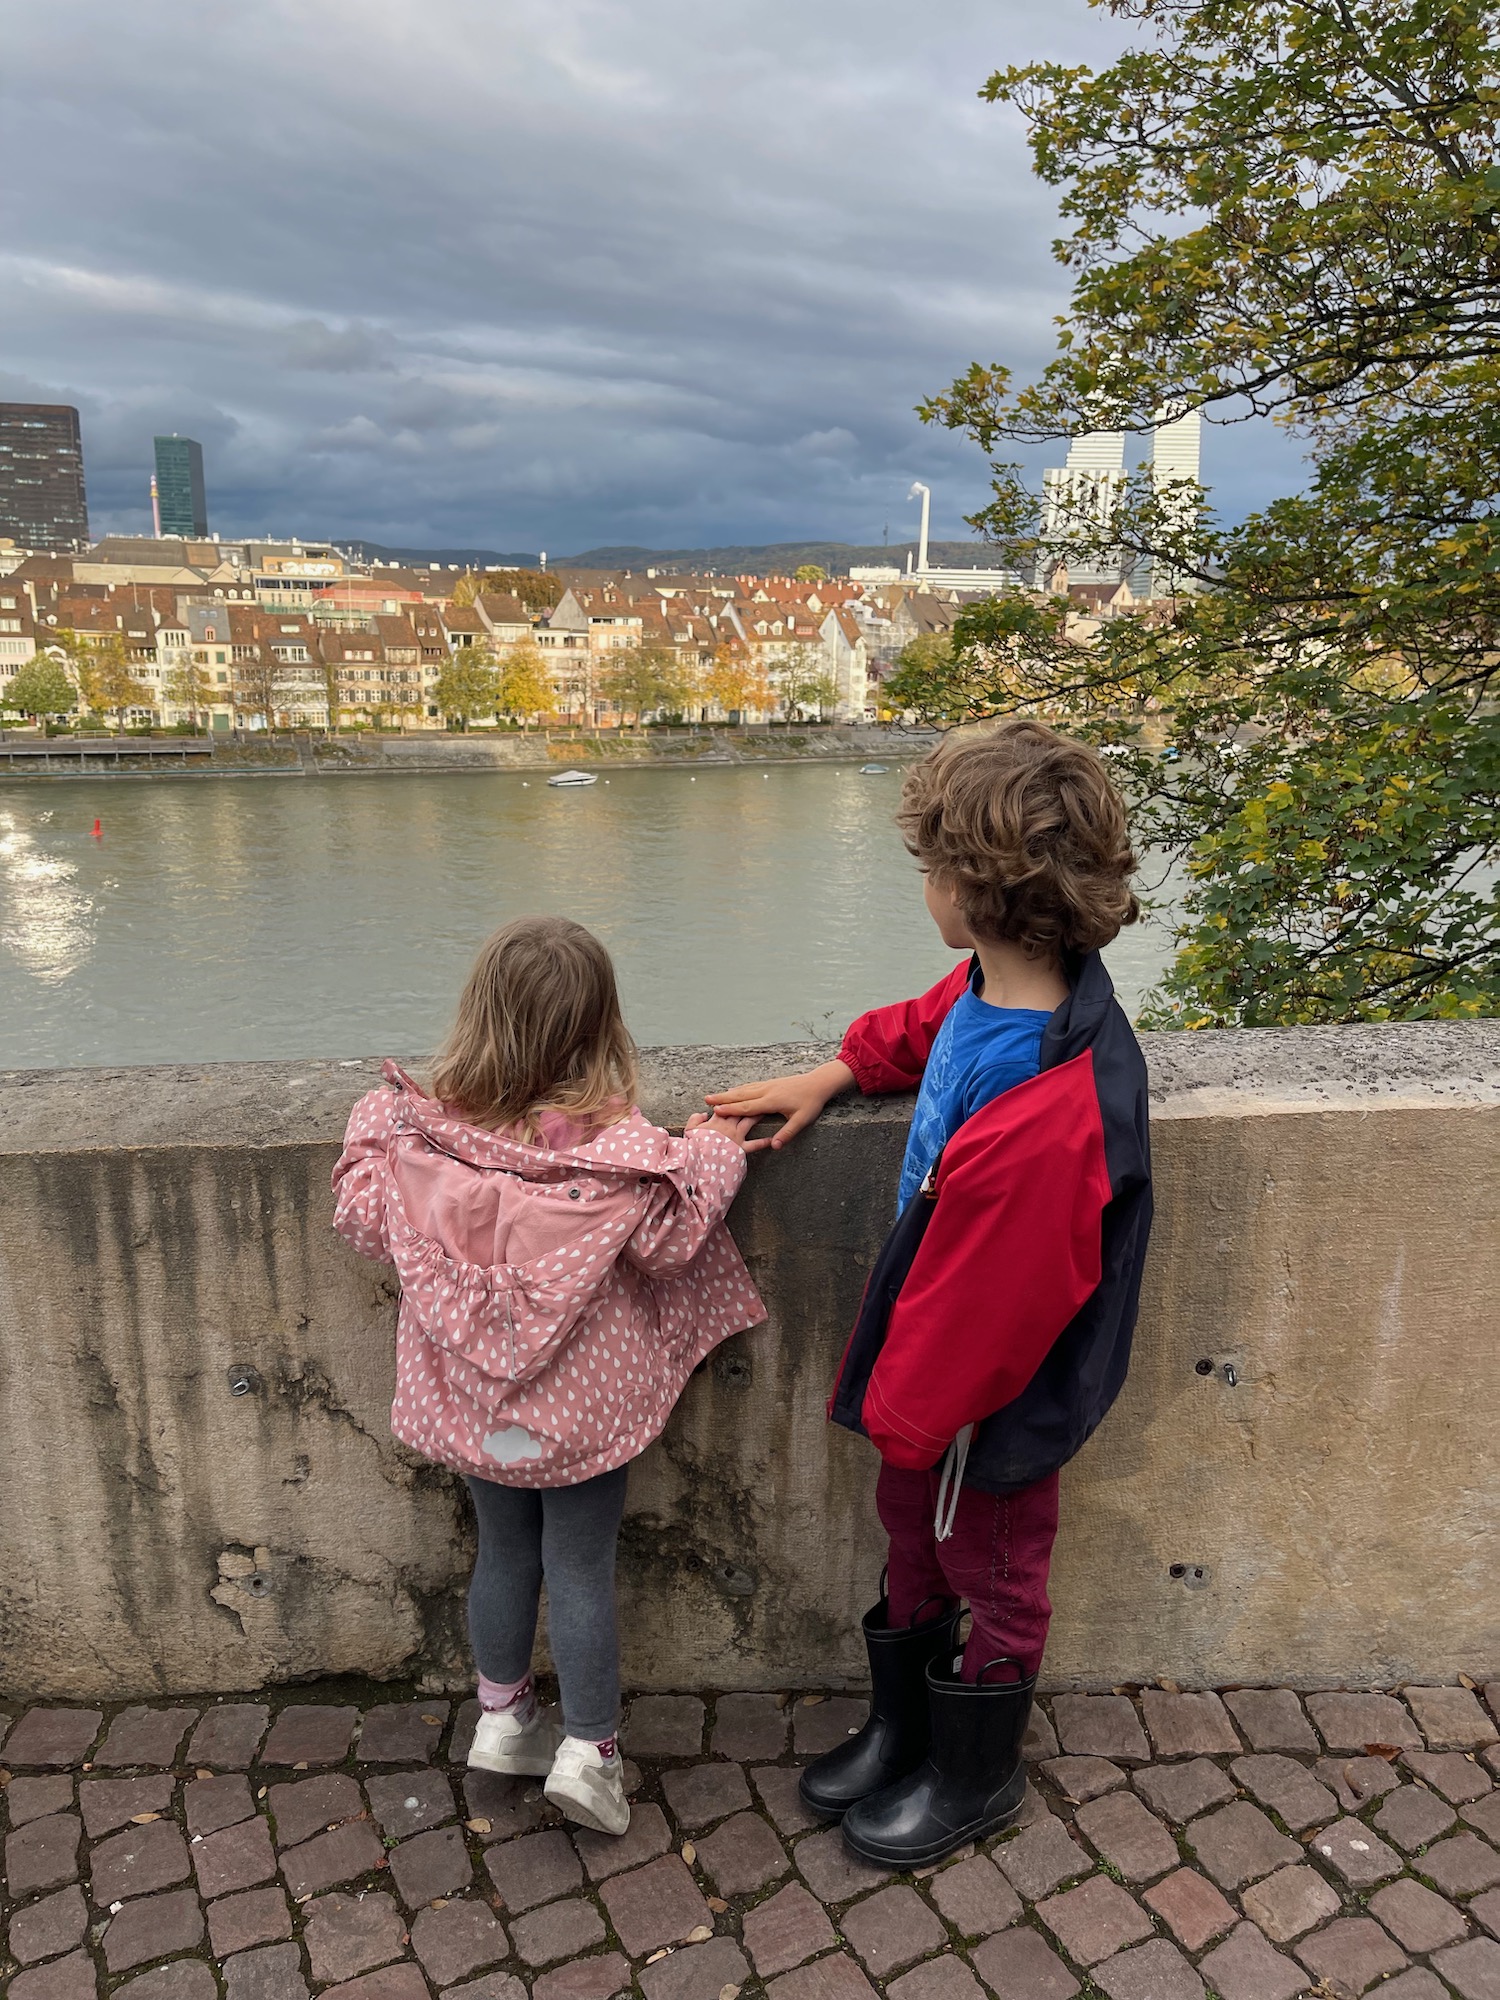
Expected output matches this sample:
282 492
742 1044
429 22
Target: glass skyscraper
180 492
42 504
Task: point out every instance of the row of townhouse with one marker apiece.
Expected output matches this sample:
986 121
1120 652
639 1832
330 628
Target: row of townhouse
232 663
373 647
777 625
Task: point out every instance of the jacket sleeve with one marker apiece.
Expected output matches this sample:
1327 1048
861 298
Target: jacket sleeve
887 1049
1012 1252
687 1204
361 1178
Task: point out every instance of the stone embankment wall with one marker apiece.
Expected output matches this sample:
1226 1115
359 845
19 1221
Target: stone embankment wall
480 750
1301 1482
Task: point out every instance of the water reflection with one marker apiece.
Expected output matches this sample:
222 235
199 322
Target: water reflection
44 919
294 917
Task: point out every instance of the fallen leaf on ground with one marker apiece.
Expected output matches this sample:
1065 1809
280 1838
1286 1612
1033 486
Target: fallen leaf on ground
783 1701
717 1904
699 1932
143 1819
812 1700
1169 1687
1390 1751
479 1825
435 1720
1464 1681
666 1952
729 1993
689 1853
203 1774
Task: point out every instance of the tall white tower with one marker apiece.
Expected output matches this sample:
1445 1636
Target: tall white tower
1079 497
1175 456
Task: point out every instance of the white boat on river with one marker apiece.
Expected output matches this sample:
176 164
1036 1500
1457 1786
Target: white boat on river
575 778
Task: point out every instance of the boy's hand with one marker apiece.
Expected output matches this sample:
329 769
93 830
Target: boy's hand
733 1129
798 1099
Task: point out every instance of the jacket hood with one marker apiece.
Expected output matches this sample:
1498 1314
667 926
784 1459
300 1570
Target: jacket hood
650 1150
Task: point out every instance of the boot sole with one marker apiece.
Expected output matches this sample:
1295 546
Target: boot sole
829 1815
913 1857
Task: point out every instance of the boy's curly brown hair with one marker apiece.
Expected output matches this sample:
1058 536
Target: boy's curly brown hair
1028 831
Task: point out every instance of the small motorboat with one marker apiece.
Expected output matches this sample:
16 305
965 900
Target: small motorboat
872 770
575 778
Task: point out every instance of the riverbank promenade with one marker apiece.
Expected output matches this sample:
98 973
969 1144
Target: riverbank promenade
233 1670
1256 1846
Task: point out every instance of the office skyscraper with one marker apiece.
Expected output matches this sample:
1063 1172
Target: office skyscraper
1080 498
181 498
1175 453
42 504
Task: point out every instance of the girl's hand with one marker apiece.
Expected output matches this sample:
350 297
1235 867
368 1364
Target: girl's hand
798 1099
733 1129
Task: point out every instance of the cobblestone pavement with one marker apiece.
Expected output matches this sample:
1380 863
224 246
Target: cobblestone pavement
1254 1846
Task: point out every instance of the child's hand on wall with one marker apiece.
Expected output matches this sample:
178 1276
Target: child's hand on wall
799 1099
733 1129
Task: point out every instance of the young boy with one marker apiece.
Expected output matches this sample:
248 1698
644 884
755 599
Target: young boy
996 1326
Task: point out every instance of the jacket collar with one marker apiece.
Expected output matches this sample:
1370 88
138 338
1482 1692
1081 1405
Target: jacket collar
632 1142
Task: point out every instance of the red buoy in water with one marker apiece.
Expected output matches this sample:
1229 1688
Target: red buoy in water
98 830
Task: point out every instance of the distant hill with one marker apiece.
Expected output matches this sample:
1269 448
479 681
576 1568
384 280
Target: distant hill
777 558
465 558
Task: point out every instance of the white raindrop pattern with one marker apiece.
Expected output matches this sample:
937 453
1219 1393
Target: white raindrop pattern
625 1278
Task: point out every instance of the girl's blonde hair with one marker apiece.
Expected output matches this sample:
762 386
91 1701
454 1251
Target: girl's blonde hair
538 1028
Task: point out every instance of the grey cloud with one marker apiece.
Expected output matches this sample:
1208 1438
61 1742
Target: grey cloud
551 275
335 350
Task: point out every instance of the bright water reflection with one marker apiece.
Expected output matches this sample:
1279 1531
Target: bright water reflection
294 917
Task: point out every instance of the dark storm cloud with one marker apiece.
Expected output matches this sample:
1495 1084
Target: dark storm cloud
542 274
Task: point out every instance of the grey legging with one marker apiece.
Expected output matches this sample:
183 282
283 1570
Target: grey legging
565 1535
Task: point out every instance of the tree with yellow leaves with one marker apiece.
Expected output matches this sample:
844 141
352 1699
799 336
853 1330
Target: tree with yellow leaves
524 686
736 683
106 679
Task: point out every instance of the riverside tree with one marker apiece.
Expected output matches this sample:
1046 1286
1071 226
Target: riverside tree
802 681
40 688
106 680
468 686
1289 210
736 683
188 686
643 681
524 688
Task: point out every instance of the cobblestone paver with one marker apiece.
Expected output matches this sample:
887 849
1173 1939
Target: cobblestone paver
1258 1845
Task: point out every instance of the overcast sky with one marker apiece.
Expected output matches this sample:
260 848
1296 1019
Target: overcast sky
525 274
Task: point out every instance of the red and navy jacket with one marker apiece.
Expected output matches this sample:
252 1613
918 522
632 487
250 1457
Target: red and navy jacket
1005 1297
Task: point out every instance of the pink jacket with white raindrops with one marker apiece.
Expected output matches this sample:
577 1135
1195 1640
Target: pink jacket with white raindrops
553 1303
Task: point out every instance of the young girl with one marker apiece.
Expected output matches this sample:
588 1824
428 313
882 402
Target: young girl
564 1267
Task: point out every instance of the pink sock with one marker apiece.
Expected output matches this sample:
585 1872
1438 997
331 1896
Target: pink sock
516 1697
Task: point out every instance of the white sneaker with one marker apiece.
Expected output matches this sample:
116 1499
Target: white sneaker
514 1748
589 1788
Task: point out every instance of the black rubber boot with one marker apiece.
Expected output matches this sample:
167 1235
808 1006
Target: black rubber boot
895 1739
970 1785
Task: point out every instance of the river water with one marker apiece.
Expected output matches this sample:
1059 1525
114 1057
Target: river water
236 919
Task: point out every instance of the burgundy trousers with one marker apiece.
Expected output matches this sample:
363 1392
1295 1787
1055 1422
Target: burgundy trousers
997 1558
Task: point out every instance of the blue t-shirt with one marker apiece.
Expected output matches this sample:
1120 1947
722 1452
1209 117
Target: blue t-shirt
979 1051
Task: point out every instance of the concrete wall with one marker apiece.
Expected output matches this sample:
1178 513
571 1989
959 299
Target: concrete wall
201 1492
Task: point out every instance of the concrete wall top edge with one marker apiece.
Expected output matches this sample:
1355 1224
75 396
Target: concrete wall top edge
1204 1074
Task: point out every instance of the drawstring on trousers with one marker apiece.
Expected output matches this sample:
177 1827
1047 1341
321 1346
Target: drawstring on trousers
951 1484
